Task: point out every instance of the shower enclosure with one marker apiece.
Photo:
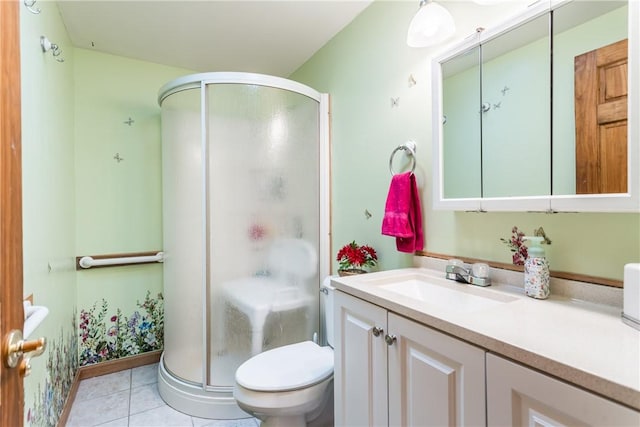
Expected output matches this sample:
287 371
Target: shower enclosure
245 213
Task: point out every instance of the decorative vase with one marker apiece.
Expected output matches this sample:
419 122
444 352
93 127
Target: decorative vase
351 272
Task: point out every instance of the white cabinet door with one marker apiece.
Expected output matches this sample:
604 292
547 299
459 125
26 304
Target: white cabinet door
360 372
520 396
434 379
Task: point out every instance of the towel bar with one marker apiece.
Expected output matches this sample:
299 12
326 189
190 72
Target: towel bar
410 147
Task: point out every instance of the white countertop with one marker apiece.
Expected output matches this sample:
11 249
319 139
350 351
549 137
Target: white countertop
583 343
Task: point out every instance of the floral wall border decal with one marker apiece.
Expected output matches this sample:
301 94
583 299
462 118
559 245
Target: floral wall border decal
104 337
61 368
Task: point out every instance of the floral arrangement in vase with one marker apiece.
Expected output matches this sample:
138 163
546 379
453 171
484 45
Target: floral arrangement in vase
353 258
517 246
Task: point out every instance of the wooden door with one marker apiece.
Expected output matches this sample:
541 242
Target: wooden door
360 371
434 379
11 312
601 120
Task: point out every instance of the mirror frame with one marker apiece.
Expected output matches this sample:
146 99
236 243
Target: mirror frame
622 202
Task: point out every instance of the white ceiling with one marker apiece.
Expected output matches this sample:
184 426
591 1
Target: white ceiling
271 37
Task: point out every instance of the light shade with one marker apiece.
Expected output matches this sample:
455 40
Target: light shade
431 25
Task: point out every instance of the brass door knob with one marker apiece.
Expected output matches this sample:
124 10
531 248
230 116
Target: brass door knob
15 347
25 367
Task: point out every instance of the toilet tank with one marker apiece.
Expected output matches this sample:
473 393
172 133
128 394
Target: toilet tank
326 296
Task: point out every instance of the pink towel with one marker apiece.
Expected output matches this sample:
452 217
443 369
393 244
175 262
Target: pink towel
403 213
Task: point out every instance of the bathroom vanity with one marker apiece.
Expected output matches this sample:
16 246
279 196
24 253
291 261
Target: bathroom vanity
413 348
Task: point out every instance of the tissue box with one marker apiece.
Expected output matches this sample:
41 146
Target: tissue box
631 295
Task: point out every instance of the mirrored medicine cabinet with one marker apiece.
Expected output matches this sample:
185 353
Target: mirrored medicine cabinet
542 113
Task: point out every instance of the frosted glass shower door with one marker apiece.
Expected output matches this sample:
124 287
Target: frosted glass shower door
183 234
263 222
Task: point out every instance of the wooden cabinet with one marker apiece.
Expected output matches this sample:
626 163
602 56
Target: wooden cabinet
360 371
393 371
517 395
434 379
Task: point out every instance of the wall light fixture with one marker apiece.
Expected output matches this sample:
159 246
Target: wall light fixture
431 25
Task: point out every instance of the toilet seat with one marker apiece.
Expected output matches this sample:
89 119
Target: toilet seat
287 368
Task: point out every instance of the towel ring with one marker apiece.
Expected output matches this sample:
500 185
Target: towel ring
410 147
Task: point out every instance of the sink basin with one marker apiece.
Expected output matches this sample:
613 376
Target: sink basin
454 296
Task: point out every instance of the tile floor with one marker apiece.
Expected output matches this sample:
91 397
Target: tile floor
130 399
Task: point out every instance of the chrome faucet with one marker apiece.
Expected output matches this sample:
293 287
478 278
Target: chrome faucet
477 274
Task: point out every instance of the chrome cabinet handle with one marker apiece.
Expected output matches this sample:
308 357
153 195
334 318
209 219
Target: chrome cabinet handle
390 339
377 331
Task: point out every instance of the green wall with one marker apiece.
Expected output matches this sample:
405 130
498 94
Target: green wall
366 65
79 200
48 206
118 203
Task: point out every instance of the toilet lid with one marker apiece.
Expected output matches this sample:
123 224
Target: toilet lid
287 368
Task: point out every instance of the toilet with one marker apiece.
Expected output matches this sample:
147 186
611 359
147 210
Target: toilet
291 385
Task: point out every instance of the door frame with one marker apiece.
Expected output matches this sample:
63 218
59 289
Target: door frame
11 310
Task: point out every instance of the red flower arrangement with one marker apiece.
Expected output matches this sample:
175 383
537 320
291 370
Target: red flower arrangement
353 256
